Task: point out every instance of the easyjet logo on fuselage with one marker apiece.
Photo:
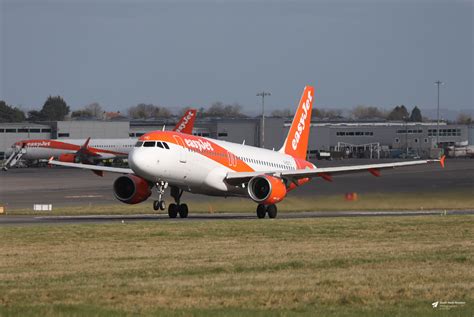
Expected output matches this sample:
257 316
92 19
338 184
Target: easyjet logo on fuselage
39 144
185 121
199 144
301 123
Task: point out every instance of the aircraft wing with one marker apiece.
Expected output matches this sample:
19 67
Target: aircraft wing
325 172
94 168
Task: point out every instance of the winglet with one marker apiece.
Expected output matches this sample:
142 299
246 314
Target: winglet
86 144
441 161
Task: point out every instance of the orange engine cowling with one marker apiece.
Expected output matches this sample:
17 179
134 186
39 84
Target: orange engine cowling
266 190
131 189
68 157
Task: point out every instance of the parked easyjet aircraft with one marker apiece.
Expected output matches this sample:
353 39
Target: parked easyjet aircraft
85 151
200 165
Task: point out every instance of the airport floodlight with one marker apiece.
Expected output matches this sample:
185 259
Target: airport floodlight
263 94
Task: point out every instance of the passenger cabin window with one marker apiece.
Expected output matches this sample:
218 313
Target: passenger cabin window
149 144
138 144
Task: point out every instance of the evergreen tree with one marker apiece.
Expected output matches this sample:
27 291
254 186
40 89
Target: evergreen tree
399 113
415 115
10 114
54 109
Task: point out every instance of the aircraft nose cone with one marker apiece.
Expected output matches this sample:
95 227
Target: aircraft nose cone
137 162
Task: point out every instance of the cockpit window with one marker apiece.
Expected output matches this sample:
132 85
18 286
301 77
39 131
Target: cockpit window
159 144
149 144
139 143
166 145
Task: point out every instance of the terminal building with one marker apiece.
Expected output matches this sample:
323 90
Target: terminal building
342 139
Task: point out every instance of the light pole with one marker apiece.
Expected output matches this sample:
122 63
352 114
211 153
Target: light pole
263 94
438 83
406 136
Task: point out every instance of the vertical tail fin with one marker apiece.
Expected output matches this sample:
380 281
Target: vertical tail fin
186 124
296 142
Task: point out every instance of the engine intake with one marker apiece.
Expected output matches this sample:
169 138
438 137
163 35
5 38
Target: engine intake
131 189
266 190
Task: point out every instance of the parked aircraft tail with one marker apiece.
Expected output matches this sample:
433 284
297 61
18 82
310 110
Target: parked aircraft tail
186 124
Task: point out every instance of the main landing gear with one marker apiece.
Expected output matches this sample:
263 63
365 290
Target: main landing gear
271 210
177 208
173 209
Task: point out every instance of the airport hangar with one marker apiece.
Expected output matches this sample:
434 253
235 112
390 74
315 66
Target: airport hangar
367 139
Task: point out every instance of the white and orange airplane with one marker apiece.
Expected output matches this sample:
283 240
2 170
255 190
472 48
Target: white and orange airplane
206 166
84 151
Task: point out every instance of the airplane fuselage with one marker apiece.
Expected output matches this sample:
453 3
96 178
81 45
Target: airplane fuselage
106 148
200 165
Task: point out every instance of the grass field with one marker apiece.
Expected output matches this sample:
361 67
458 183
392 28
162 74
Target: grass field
450 200
388 266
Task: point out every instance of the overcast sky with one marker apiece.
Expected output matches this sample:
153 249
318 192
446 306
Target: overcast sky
192 53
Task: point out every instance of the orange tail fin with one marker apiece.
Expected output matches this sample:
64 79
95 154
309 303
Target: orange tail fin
186 124
296 142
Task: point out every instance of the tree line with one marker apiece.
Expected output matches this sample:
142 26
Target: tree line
56 109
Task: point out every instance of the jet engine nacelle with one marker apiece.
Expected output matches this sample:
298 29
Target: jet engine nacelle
266 190
131 189
68 157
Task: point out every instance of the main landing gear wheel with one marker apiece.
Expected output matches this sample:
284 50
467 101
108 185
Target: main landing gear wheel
261 211
271 210
172 210
183 210
177 207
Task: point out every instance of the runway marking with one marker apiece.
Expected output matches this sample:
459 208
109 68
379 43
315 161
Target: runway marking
83 196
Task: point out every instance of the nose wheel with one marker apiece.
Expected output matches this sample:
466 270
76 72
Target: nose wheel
160 203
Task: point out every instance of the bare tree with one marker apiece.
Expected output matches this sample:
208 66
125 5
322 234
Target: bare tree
464 118
218 109
362 112
95 110
282 113
329 114
148 111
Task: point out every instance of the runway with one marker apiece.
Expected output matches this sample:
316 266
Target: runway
62 187
32 220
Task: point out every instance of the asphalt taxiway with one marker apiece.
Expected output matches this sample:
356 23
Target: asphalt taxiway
21 188
30 220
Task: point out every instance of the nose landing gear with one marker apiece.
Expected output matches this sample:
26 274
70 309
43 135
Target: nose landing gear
160 203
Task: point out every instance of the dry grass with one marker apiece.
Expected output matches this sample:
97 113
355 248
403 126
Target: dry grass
449 200
334 267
